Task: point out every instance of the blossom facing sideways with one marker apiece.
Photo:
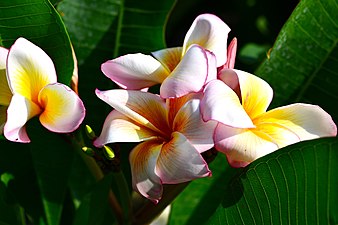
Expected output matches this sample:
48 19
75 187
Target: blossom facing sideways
246 130
33 82
172 135
5 92
179 70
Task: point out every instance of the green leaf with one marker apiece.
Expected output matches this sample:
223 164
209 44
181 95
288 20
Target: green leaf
16 160
52 159
101 30
202 197
94 204
294 185
303 63
39 22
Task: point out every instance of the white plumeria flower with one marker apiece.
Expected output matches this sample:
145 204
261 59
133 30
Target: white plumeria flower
246 130
33 82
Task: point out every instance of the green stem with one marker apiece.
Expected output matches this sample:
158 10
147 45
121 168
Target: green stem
78 143
120 182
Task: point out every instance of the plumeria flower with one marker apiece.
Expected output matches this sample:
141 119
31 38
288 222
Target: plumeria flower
33 82
5 92
172 135
179 70
246 130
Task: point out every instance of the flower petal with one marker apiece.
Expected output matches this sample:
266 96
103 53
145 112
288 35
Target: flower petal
29 69
143 160
135 71
189 75
145 108
188 121
304 120
119 128
20 110
180 162
256 93
169 57
242 146
63 110
210 32
232 49
221 103
5 92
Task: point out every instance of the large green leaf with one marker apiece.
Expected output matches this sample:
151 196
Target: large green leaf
104 29
52 159
303 63
202 197
38 21
295 185
16 161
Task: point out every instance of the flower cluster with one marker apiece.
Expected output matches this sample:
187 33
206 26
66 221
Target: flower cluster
203 102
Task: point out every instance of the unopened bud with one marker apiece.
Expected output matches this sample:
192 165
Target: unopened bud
88 151
90 133
108 152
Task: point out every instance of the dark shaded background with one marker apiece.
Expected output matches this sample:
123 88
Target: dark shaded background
255 24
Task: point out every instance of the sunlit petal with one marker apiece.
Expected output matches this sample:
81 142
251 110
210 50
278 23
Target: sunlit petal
210 32
29 69
179 161
189 76
256 93
145 108
20 110
242 146
221 103
304 120
63 110
169 57
3 57
230 78
143 160
188 121
135 71
119 128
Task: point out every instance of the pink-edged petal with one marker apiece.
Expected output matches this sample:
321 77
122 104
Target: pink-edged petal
119 128
230 78
29 69
232 49
188 121
210 32
242 146
20 110
135 71
143 159
63 110
304 120
169 57
212 68
189 76
3 57
221 103
144 108
180 162
256 93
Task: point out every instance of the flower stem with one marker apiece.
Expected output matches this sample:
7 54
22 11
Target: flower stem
78 143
